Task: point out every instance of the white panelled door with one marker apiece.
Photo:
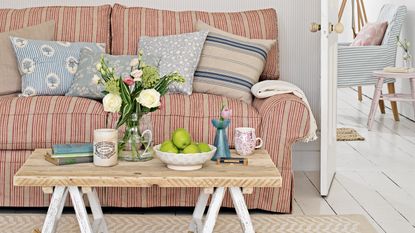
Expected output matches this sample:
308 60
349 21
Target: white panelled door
329 30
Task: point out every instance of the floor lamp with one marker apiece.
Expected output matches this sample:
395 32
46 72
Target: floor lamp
359 19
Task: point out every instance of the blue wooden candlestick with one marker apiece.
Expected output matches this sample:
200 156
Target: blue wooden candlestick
221 139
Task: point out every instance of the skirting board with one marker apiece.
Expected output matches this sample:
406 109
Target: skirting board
306 156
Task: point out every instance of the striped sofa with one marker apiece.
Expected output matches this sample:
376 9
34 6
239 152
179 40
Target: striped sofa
39 122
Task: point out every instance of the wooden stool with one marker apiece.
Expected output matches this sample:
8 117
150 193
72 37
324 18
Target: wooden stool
392 96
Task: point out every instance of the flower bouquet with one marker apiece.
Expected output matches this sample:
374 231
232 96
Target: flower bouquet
133 97
407 57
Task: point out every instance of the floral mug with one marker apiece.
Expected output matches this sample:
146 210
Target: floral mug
246 141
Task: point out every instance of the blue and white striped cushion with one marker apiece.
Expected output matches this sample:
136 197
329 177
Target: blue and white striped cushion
48 67
230 65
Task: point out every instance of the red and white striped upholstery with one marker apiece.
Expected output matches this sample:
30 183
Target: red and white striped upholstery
130 23
87 24
39 122
28 123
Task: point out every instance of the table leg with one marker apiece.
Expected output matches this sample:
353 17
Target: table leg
80 210
214 208
55 209
99 224
196 225
391 90
241 209
375 102
412 81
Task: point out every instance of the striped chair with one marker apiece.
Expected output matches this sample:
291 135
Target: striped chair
357 63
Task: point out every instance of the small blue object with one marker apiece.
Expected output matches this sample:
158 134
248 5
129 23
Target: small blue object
72 148
221 139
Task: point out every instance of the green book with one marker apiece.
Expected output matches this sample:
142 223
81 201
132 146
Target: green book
72 155
67 161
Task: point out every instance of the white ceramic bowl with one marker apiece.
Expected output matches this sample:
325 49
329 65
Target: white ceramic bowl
184 162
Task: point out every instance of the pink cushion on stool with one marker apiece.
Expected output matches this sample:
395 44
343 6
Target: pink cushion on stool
371 34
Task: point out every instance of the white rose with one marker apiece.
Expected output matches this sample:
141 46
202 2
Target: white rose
137 74
149 98
96 79
112 103
134 62
98 66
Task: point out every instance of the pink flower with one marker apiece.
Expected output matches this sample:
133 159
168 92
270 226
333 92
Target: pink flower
128 80
226 113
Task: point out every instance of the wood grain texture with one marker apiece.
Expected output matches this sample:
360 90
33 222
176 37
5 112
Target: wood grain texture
261 172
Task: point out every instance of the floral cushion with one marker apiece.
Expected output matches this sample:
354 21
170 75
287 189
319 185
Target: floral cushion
83 85
48 67
371 34
176 53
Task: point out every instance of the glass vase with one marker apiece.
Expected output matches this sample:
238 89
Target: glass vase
407 60
135 143
221 139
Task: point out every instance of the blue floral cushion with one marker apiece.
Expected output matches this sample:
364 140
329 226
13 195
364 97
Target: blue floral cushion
175 53
83 86
48 67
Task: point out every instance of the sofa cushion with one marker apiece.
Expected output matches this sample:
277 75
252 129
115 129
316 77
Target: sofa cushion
27 123
10 77
195 113
86 23
49 67
129 24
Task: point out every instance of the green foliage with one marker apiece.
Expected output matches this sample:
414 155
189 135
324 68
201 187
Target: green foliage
150 77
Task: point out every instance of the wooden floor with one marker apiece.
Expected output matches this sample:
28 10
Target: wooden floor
375 178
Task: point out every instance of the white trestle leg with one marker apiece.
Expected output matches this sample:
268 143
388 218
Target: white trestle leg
99 224
80 210
214 208
196 225
55 209
241 209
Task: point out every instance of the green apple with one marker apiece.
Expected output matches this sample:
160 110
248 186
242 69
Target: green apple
181 138
191 149
203 147
169 147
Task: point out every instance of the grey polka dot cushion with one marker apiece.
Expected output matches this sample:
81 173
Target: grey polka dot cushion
48 67
179 53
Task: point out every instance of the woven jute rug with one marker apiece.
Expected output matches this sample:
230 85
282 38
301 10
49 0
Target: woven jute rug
226 223
348 134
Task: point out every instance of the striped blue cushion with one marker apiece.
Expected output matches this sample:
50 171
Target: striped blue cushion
48 67
230 65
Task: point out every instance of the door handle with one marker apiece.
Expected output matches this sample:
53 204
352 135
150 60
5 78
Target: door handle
315 27
338 28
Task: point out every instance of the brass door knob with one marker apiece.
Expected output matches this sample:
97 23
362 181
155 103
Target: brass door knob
338 28
315 27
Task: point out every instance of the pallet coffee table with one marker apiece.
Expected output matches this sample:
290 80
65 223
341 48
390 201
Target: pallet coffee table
79 179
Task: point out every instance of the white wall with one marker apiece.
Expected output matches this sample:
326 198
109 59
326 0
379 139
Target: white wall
299 49
408 31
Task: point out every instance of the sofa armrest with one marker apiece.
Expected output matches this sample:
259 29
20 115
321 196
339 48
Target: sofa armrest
350 57
285 119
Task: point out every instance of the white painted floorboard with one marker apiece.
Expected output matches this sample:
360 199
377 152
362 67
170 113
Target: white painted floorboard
374 178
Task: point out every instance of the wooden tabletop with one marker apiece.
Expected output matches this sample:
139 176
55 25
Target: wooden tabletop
260 172
384 74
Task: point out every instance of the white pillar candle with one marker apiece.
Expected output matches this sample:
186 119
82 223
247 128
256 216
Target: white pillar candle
105 147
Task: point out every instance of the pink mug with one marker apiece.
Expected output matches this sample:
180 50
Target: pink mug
246 141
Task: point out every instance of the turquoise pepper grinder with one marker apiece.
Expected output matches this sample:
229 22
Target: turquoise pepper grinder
221 139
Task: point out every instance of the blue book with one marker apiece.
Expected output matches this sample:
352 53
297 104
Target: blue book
72 148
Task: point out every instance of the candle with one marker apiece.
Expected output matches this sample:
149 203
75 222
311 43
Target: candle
105 147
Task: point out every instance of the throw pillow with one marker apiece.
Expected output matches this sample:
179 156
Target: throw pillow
48 67
230 65
179 53
371 34
83 86
10 77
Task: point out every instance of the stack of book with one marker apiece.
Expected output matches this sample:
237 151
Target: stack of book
63 154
